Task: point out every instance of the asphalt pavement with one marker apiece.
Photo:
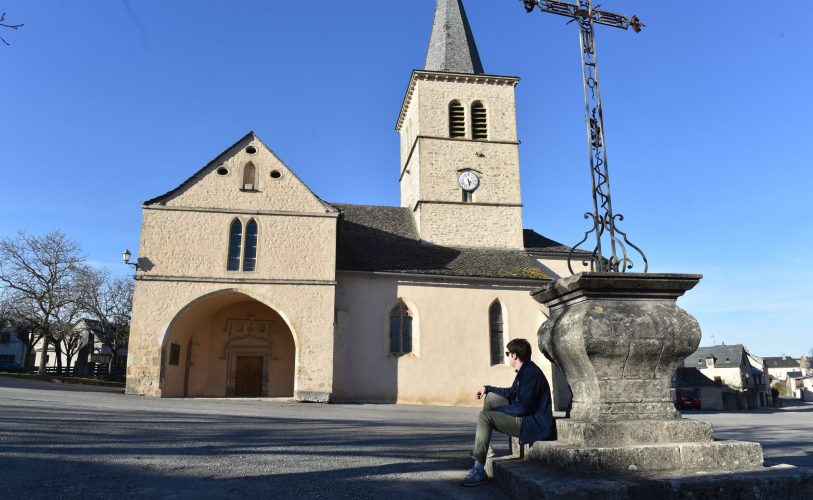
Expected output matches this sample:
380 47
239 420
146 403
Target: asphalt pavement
58 440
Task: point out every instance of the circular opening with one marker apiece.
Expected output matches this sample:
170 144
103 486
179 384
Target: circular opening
251 150
276 174
222 171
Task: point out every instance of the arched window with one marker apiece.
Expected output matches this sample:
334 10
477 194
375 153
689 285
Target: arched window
400 329
479 121
495 327
235 242
250 257
457 119
249 177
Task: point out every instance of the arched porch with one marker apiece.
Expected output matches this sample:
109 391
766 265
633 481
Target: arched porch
228 344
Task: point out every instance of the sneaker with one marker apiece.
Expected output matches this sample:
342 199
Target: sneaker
475 477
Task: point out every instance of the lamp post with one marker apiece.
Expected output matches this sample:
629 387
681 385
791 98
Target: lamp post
126 258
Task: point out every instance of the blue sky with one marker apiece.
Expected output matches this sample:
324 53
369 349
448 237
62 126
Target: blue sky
106 103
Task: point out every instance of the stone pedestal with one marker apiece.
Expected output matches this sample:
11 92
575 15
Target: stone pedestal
618 338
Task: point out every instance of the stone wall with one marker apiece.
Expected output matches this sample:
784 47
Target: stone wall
451 350
160 307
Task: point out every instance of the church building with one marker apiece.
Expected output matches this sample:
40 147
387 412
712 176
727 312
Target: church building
251 285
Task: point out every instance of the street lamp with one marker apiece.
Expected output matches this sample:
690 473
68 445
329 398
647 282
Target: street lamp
126 258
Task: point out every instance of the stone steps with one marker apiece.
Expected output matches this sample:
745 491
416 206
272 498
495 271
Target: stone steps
645 458
523 479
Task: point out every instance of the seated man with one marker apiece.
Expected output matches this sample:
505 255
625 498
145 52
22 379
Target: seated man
522 410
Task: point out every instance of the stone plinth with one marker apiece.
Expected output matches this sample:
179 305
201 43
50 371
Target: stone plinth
650 458
618 338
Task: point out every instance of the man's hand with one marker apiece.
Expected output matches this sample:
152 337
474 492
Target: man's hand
481 393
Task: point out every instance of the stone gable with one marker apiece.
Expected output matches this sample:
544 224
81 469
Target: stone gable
224 183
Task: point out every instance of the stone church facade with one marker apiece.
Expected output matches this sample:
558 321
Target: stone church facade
250 285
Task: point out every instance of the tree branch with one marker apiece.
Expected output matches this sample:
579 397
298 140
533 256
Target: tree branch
6 25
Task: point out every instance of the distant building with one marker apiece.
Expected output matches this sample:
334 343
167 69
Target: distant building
779 366
745 386
12 350
804 388
91 358
759 364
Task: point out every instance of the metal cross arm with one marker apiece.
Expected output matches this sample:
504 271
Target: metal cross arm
612 254
576 11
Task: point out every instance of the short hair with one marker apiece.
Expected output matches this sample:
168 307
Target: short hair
520 347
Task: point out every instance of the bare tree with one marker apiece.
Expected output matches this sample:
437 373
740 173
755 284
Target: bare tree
4 24
67 338
39 273
107 301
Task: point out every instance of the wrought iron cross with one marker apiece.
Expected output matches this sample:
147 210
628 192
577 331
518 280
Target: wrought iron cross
605 222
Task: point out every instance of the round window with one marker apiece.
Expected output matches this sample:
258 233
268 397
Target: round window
251 150
276 174
222 171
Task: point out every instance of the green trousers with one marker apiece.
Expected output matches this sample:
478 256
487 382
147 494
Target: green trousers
490 421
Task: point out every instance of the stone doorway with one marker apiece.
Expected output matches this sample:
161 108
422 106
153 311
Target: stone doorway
248 377
248 350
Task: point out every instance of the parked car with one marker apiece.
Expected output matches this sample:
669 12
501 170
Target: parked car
688 401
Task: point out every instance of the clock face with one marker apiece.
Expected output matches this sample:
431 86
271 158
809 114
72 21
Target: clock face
468 180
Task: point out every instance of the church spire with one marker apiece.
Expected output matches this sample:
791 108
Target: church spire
452 46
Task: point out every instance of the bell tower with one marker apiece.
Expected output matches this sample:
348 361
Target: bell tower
459 149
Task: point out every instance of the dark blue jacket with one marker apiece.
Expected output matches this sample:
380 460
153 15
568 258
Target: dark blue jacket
529 398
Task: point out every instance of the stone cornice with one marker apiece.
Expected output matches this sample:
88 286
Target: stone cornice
238 211
141 276
465 203
448 77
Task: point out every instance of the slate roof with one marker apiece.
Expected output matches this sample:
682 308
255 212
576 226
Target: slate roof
692 377
535 242
781 362
726 356
451 46
385 239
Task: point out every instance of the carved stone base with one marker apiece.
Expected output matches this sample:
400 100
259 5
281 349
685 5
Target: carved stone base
641 432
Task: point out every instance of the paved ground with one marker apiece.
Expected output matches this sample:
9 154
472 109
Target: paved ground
72 441
786 433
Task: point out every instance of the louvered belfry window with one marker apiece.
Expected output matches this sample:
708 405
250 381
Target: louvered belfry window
457 120
496 337
479 120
